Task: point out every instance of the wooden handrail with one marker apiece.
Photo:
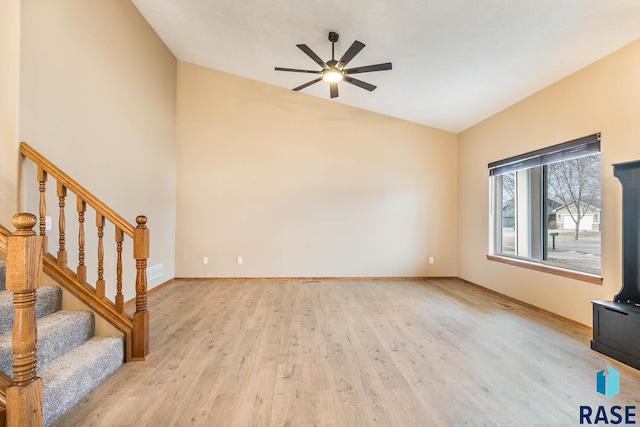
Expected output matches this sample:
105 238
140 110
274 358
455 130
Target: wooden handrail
73 186
135 328
4 234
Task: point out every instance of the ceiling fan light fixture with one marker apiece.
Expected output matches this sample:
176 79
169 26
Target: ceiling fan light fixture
332 75
334 71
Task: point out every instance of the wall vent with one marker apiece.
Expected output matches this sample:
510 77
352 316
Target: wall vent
155 271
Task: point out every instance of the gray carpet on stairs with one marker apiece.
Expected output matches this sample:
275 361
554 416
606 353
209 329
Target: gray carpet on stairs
48 301
68 378
57 334
70 362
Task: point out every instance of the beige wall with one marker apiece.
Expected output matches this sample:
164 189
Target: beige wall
297 186
603 97
9 85
301 186
98 99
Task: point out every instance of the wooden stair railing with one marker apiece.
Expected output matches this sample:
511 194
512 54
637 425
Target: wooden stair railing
134 328
21 395
4 236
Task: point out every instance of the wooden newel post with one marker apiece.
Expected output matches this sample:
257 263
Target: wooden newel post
141 315
24 262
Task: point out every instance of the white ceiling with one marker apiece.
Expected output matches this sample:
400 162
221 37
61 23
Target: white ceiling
455 62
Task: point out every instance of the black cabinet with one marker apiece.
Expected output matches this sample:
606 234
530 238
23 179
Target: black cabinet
616 331
616 324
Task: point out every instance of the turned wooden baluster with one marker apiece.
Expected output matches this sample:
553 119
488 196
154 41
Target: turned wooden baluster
119 296
24 261
141 315
62 253
81 207
42 180
100 281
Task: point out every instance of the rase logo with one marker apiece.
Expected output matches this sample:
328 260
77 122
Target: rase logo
608 384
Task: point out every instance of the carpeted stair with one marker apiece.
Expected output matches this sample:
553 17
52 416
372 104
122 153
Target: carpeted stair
71 361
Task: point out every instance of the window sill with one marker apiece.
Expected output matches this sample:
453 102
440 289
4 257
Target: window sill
572 274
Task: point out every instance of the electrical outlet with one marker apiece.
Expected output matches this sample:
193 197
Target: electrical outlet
205 260
48 223
430 260
239 260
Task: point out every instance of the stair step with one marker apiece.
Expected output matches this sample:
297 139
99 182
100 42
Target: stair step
57 334
69 377
48 301
3 275
71 362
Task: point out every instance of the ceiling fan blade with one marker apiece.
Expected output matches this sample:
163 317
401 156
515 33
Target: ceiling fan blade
333 89
359 83
355 48
295 70
368 68
312 55
307 84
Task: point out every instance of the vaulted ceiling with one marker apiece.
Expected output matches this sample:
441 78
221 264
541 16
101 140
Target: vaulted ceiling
455 62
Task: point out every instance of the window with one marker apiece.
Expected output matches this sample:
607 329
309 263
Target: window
546 206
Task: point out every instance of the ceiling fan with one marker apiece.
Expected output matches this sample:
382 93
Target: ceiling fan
333 71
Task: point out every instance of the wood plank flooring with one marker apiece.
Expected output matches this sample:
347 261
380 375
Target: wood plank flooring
351 353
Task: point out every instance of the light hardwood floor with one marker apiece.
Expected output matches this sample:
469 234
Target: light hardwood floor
351 353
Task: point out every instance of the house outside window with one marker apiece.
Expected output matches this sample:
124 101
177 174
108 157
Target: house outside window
546 206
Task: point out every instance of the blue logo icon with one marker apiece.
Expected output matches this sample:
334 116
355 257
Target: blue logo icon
608 384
